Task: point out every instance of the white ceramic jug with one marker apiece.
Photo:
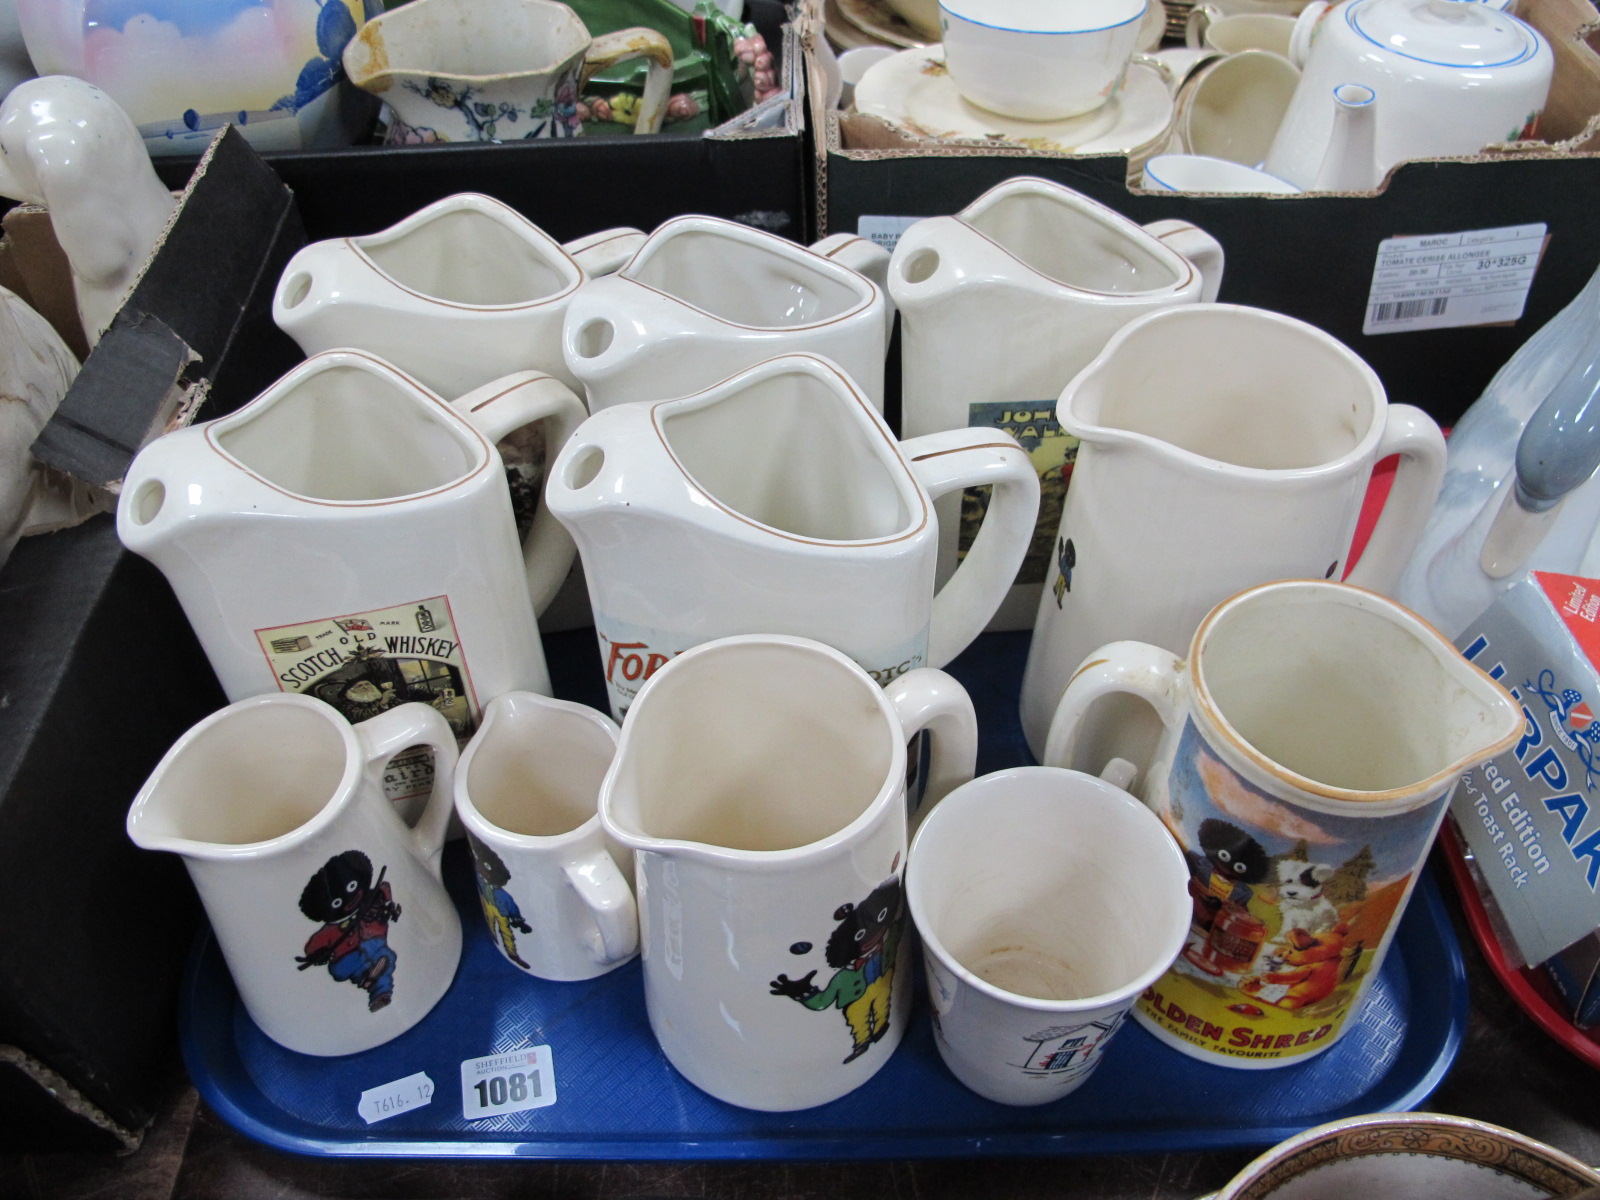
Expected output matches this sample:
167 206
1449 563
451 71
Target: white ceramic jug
457 294
331 914
496 70
704 298
1221 447
761 784
1312 735
1003 303
778 501
555 894
349 535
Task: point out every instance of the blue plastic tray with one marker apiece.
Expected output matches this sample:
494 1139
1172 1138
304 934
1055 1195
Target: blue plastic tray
619 1098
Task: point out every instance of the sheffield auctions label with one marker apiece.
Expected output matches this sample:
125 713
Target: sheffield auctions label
507 1083
1440 281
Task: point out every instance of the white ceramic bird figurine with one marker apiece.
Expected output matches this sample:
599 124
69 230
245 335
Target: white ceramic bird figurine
66 145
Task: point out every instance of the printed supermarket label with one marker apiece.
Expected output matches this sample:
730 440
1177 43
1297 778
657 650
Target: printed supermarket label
512 1082
884 231
366 663
1441 281
392 1099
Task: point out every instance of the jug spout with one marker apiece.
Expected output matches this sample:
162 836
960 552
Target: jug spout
222 789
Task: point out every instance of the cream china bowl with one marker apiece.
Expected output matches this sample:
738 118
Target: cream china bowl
913 92
1410 1154
1199 173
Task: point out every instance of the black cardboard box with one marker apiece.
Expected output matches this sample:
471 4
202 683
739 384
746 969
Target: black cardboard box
1311 256
753 168
103 674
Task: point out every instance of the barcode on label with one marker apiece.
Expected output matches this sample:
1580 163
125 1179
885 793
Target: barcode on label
1405 310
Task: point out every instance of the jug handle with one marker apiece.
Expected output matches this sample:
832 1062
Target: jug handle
960 458
1202 250
865 257
928 699
601 886
1415 437
1138 669
416 724
605 252
624 45
507 404
1199 20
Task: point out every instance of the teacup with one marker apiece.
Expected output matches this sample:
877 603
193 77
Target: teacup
496 70
1232 33
1231 109
1036 60
1036 946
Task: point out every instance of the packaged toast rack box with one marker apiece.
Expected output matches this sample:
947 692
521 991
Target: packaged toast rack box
1531 817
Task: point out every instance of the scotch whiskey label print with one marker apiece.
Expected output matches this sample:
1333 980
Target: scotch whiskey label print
1052 452
366 663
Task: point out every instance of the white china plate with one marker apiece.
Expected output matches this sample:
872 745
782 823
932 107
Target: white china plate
876 18
913 92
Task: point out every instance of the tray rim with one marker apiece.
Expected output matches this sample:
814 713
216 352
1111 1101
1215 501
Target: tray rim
1532 993
1425 937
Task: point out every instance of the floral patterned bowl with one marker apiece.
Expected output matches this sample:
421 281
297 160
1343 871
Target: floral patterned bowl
1410 1154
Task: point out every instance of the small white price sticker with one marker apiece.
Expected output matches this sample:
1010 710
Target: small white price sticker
507 1083
392 1099
884 231
1445 280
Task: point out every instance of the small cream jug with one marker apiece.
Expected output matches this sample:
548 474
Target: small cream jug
349 535
761 784
704 298
496 70
456 295
1004 302
779 502
330 912
1221 447
556 896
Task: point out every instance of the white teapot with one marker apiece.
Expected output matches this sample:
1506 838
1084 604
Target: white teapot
1450 76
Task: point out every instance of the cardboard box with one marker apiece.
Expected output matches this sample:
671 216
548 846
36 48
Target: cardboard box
752 169
1531 816
197 299
1310 256
103 674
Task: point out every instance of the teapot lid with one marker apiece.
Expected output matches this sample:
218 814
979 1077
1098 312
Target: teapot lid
1450 33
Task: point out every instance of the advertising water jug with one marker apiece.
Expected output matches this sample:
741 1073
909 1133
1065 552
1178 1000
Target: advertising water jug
761 784
778 501
331 913
1222 447
1002 304
348 535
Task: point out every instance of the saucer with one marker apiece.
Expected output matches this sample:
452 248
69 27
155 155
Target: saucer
913 92
875 17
